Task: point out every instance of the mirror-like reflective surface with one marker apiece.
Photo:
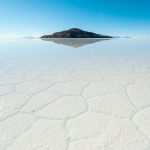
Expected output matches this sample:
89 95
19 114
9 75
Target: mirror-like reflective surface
92 97
76 42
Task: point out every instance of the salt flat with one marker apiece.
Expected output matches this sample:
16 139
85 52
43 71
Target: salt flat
74 94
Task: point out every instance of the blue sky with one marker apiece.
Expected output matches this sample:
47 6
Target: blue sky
38 17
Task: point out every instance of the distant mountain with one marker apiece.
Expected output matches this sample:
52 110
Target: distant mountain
75 33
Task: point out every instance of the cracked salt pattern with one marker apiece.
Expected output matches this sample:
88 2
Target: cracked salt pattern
56 97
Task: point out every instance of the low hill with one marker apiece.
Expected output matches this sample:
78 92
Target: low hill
75 33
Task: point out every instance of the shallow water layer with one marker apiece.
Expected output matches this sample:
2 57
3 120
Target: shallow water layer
75 94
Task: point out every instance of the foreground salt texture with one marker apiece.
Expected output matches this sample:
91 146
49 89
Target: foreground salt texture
74 102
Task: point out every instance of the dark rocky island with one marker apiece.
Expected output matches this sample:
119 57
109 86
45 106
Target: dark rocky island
75 33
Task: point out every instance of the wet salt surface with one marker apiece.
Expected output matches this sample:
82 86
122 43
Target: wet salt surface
75 94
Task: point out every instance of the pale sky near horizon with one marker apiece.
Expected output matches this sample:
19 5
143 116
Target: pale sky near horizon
38 17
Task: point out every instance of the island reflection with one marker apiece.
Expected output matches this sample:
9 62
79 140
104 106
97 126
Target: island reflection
76 42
